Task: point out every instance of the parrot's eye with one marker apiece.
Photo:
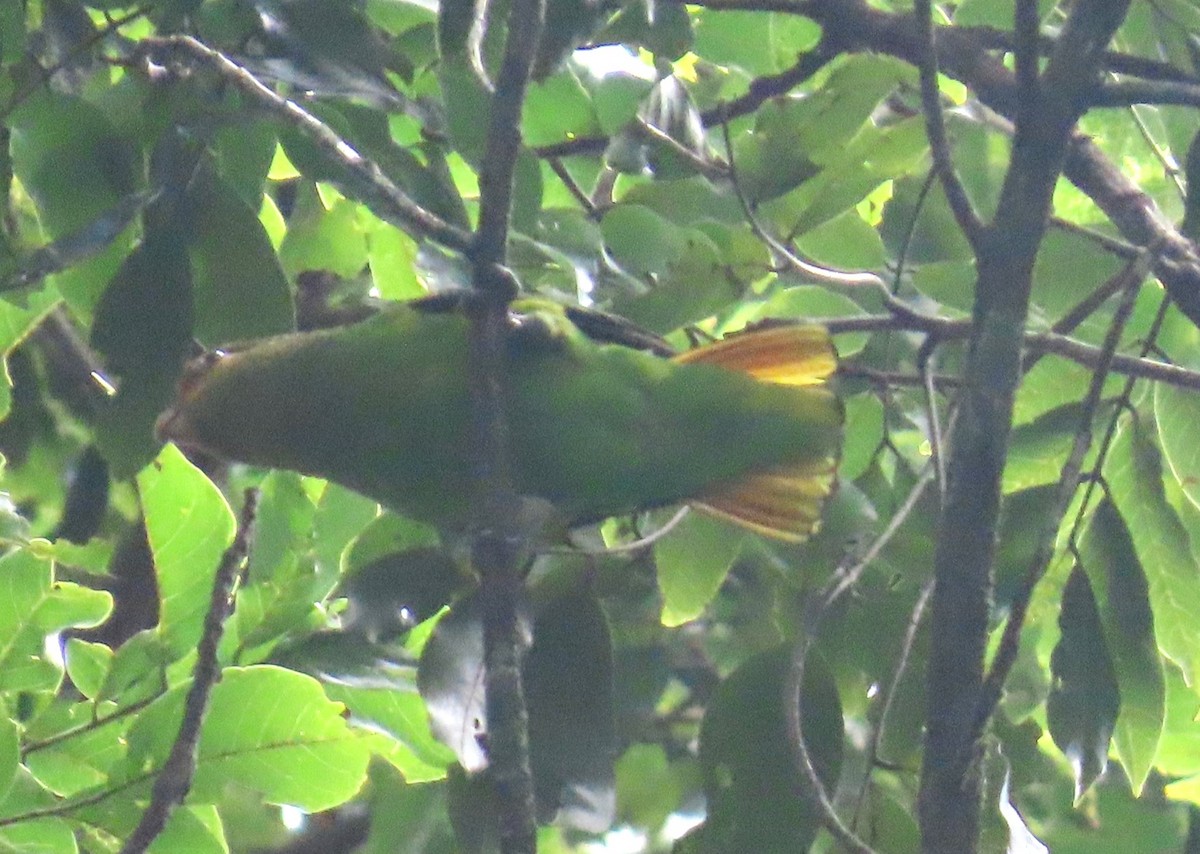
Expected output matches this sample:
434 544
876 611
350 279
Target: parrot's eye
196 369
534 332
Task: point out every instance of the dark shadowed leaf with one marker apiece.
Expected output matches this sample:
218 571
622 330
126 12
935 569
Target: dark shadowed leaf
1122 599
749 776
450 677
1084 696
568 685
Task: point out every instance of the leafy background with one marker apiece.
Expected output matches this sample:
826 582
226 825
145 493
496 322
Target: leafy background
149 204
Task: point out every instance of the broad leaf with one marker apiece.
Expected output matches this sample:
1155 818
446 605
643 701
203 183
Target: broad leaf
189 526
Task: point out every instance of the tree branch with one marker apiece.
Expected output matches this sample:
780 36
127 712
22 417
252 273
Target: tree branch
497 546
174 779
852 25
363 179
935 127
950 789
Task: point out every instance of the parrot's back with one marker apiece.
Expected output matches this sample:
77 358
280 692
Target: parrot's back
596 429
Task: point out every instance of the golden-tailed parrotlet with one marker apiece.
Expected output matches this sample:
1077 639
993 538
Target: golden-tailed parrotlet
746 428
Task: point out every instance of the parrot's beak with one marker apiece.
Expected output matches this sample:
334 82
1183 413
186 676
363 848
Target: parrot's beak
172 426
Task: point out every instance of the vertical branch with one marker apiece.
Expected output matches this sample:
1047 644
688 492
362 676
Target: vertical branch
950 790
497 547
1025 52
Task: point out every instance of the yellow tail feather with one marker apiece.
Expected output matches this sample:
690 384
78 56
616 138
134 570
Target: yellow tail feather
784 503
790 355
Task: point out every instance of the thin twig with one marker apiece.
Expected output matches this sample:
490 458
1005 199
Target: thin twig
1169 164
803 266
1122 403
39 80
640 544
925 360
90 726
842 581
174 779
814 792
761 89
1036 342
363 178
935 128
889 694
559 169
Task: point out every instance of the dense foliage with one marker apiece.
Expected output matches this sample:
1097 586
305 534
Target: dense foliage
692 169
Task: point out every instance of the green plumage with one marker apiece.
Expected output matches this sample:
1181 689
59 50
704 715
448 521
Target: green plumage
596 429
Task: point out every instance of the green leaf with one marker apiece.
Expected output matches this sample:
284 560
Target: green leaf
323 237
572 738
15 324
88 665
662 29
794 137
556 110
648 787
80 753
864 434
1038 450
39 836
76 166
1177 412
33 606
270 730
239 288
1122 596
1179 750
1134 473
1084 698
400 811
640 240
750 779
10 755
195 829
189 526
450 677
736 38
693 561
143 330
379 688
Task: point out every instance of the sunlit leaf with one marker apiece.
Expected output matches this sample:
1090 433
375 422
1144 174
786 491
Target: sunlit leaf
271 730
692 562
189 526
1134 472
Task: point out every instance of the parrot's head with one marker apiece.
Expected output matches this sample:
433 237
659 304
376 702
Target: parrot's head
173 424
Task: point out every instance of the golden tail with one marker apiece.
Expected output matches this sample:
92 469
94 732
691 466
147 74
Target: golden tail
789 355
784 502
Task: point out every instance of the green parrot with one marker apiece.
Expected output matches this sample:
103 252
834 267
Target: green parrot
745 428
